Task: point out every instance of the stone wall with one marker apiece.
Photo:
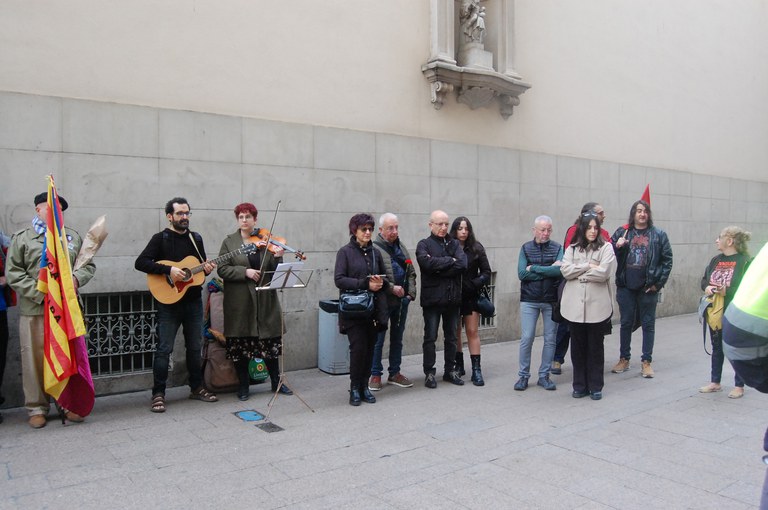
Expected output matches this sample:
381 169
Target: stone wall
127 161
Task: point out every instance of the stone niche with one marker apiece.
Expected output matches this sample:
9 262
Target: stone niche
472 54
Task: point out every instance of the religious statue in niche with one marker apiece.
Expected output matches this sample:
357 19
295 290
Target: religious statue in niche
472 20
472 24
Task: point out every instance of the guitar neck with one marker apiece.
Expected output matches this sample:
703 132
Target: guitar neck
244 249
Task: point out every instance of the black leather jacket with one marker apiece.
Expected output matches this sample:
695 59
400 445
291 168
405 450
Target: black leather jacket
659 257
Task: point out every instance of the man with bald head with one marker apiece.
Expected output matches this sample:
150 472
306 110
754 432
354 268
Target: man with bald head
442 262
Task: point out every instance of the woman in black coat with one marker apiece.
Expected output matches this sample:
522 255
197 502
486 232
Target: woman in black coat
477 275
359 266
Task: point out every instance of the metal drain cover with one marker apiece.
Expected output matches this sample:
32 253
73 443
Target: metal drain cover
269 427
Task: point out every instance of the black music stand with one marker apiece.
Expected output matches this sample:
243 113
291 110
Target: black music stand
287 275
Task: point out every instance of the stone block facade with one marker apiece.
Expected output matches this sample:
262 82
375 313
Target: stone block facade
126 161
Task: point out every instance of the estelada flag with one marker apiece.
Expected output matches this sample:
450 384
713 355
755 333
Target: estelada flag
645 198
66 370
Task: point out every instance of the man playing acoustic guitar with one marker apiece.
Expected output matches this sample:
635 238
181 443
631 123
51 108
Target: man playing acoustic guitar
165 256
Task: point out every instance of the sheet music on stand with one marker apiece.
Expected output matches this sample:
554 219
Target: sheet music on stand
288 275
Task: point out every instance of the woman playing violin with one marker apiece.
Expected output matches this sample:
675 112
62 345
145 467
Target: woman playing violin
252 319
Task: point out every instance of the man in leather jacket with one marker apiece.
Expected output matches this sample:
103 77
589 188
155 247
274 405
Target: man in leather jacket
644 258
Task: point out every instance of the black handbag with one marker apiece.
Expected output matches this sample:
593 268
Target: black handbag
484 304
356 304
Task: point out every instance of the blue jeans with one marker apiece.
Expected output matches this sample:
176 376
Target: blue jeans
397 317
189 314
432 316
718 357
529 315
640 304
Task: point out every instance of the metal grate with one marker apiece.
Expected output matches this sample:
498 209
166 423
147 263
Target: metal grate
122 332
490 322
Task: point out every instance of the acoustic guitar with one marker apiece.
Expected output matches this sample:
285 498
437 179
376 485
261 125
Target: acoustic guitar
166 291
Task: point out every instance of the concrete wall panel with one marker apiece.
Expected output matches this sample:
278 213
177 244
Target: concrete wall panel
108 128
277 143
453 160
400 155
30 122
266 185
200 136
341 149
498 164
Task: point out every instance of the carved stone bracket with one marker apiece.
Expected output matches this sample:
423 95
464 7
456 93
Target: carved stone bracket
474 87
439 90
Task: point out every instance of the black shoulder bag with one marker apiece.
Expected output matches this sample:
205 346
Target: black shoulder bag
358 303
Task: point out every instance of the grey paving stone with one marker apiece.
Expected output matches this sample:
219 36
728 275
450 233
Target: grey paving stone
648 444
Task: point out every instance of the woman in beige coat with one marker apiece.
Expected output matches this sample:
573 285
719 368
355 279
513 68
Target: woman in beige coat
587 304
252 319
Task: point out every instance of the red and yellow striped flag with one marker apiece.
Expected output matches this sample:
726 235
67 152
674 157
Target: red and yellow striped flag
63 318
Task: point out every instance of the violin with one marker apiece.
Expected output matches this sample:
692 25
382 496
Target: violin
260 236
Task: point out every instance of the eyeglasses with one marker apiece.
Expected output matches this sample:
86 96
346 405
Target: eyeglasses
182 214
590 215
366 229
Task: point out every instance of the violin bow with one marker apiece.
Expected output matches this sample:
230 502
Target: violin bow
269 238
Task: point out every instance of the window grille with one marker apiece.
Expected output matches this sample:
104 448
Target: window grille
122 332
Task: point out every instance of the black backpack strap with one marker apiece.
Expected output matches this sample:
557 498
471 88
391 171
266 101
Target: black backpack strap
704 334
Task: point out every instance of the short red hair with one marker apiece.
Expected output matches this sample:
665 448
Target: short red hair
246 207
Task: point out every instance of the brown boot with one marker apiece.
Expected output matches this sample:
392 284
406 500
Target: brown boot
621 366
37 421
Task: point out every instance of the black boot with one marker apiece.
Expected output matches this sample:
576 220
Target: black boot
366 395
477 374
243 378
460 363
273 366
354 395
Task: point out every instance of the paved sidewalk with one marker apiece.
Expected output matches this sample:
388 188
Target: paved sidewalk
650 443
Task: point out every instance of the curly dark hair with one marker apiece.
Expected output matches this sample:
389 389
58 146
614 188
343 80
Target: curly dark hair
175 200
360 220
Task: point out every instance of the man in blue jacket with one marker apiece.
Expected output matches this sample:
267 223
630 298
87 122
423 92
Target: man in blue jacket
442 262
644 258
538 268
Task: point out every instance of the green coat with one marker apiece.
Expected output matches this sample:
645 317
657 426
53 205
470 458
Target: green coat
248 312
23 267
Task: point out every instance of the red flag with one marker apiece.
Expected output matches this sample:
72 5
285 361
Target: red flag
647 194
66 370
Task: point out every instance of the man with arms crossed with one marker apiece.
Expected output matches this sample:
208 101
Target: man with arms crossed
442 262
